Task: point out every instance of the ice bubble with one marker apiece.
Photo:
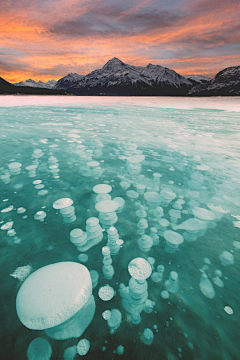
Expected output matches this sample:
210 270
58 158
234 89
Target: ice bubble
145 242
40 215
62 203
172 283
174 215
173 240
39 348
83 347
203 167
218 208
152 198
102 189
36 182
31 167
7 226
135 317
226 258
207 261
106 293
147 336
132 194
203 214
70 353
93 163
141 213
94 277
218 282
157 175
120 202
11 232
106 314
8 209
228 310
155 277
21 210
47 299
139 269
53 167
120 350
135 159
106 206
140 188
5 178
124 185
165 294
192 225
151 261
22 272
39 186
14 166
75 234
83 258
236 244
102 197
42 192
67 211
162 226
206 286
115 320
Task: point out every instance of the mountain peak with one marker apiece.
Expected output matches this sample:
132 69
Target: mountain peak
115 60
113 63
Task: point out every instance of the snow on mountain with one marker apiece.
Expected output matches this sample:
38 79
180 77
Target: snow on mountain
8 88
67 81
197 79
118 78
163 76
40 84
226 83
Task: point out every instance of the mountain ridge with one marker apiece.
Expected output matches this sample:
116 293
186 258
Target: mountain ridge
9 89
40 84
225 83
119 79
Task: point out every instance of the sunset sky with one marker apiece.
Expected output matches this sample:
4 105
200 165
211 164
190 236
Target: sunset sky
48 39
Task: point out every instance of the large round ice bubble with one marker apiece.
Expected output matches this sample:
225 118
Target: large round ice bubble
52 295
139 269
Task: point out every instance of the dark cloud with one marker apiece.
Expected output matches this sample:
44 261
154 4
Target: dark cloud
111 21
212 39
7 64
207 6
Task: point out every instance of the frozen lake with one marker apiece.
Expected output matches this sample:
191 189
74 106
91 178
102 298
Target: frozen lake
181 160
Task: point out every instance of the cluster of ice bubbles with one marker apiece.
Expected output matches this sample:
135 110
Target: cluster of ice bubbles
163 214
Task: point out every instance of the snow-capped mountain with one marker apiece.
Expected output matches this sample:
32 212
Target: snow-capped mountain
40 84
197 79
67 81
8 88
226 82
118 78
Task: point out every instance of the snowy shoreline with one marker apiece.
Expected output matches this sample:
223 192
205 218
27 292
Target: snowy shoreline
231 103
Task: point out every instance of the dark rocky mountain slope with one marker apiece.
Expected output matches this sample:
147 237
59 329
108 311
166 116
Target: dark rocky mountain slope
225 83
8 88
